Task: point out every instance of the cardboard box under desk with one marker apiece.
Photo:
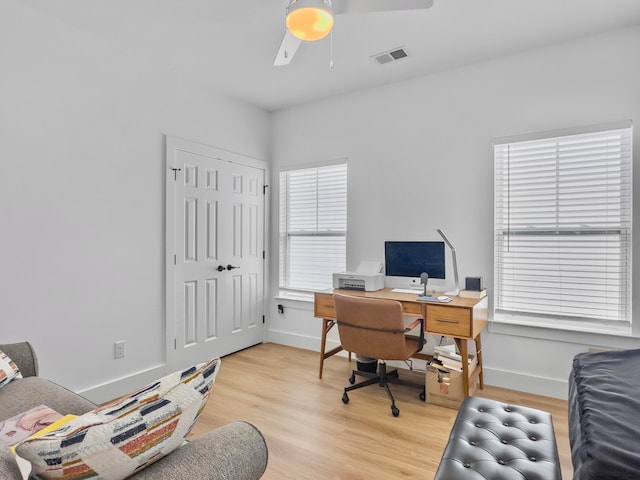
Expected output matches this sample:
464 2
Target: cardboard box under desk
448 393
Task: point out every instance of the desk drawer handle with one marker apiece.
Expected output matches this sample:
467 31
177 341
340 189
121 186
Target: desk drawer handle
446 320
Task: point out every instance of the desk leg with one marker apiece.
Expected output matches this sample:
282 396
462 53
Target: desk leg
464 353
479 357
327 325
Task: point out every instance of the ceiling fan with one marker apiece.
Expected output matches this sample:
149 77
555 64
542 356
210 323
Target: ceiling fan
310 20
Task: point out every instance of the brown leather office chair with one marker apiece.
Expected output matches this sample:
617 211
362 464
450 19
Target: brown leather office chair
375 328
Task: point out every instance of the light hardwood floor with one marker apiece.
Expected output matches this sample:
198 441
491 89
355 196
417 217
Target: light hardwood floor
312 435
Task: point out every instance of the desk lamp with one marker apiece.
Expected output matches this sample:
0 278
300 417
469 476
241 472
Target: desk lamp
456 290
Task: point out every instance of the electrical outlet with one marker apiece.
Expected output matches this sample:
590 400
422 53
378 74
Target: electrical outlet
118 350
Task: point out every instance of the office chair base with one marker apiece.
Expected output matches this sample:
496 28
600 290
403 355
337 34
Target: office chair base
364 373
382 377
395 411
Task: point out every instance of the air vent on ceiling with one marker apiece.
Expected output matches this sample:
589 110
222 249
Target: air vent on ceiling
389 56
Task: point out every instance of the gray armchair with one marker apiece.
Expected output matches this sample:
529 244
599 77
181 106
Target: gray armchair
235 451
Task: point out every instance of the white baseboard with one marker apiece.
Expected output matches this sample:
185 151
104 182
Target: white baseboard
548 387
499 378
121 386
295 340
109 390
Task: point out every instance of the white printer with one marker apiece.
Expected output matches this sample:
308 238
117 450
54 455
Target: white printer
367 277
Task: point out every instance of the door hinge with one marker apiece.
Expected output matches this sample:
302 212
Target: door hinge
264 189
262 318
263 255
175 343
175 259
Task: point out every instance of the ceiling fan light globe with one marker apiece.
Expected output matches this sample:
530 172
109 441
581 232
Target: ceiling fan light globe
309 23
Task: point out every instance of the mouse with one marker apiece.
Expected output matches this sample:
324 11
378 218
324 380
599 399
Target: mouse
443 298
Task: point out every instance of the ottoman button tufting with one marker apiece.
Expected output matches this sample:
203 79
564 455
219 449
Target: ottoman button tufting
464 447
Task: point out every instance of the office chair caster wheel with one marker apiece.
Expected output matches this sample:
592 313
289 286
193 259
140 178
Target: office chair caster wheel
423 396
395 410
345 398
352 379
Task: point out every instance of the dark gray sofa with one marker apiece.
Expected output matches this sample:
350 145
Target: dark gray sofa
236 451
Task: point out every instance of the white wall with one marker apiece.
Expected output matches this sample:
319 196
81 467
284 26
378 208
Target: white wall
82 175
420 158
82 196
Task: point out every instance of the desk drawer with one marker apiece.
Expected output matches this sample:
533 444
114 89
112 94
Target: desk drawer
411 308
449 321
323 306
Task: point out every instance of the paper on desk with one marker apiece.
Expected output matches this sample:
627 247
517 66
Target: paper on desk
369 267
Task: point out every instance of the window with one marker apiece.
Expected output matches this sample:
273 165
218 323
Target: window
313 226
563 229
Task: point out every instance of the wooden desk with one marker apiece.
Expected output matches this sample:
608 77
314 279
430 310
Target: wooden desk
462 318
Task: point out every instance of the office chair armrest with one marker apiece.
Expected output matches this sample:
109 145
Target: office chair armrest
414 324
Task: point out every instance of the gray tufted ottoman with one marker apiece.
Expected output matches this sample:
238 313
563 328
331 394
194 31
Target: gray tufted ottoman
495 441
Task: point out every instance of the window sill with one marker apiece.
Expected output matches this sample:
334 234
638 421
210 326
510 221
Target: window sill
296 296
600 335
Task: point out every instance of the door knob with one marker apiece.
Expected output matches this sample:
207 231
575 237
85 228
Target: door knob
231 267
220 268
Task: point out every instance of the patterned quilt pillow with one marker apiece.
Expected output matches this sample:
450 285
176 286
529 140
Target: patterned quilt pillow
8 369
120 438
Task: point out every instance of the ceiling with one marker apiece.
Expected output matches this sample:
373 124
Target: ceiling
230 45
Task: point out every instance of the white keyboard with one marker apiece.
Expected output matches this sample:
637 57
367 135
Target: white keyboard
407 290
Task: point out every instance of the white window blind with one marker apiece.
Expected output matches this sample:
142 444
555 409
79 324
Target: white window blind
563 228
313 226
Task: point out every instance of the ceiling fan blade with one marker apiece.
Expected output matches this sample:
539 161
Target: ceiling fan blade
365 6
287 50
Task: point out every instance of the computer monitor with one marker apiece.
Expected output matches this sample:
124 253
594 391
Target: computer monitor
411 259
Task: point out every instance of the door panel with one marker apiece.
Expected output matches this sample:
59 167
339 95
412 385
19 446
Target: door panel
215 226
